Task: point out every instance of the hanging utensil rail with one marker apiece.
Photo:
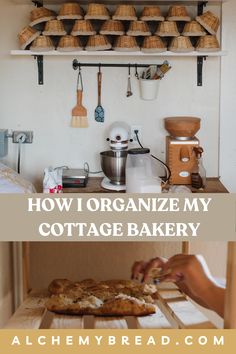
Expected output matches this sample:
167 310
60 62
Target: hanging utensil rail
77 64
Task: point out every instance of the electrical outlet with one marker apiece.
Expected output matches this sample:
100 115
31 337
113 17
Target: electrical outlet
26 136
132 132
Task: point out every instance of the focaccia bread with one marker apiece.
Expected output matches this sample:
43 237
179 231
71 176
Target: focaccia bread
106 298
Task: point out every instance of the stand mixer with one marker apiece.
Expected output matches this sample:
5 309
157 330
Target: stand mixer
113 161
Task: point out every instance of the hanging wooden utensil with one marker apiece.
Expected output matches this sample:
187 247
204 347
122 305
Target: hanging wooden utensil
79 112
99 111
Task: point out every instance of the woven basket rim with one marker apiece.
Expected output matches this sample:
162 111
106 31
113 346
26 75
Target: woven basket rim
125 49
41 20
84 33
99 47
167 34
152 18
70 17
181 50
54 33
97 17
112 32
69 49
30 40
205 50
42 49
138 33
153 50
124 18
193 34
179 18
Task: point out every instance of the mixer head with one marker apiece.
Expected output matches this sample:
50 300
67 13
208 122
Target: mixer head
119 134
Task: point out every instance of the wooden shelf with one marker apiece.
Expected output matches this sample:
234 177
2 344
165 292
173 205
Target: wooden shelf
200 56
174 310
137 2
111 53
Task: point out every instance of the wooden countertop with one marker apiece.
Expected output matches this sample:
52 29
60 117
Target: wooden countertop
94 186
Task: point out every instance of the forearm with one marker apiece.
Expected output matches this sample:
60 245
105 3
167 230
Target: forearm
195 298
214 298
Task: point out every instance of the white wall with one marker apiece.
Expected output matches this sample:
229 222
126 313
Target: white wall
106 260
228 97
6 284
46 110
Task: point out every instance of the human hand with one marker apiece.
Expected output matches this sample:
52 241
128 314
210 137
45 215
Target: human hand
192 275
191 270
145 268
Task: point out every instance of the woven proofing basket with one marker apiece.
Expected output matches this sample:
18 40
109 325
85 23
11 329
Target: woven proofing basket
178 13
126 44
42 44
41 14
208 43
98 42
193 29
70 11
138 28
153 44
151 13
54 28
125 12
97 12
69 43
181 44
27 36
112 27
209 21
83 28
167 29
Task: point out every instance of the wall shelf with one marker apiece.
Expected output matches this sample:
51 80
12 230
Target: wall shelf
39 56
117 54
200 56
137 2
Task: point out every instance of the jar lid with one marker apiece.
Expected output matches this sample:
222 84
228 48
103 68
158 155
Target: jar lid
139 151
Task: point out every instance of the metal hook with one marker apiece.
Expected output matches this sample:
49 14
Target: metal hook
79 79
136 71
129 69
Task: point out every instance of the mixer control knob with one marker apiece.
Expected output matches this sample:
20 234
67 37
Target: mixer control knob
118 137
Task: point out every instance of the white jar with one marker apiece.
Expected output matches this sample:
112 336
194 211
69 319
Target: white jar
139 174
149 89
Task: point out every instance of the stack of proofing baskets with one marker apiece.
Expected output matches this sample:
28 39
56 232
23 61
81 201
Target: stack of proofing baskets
74 29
